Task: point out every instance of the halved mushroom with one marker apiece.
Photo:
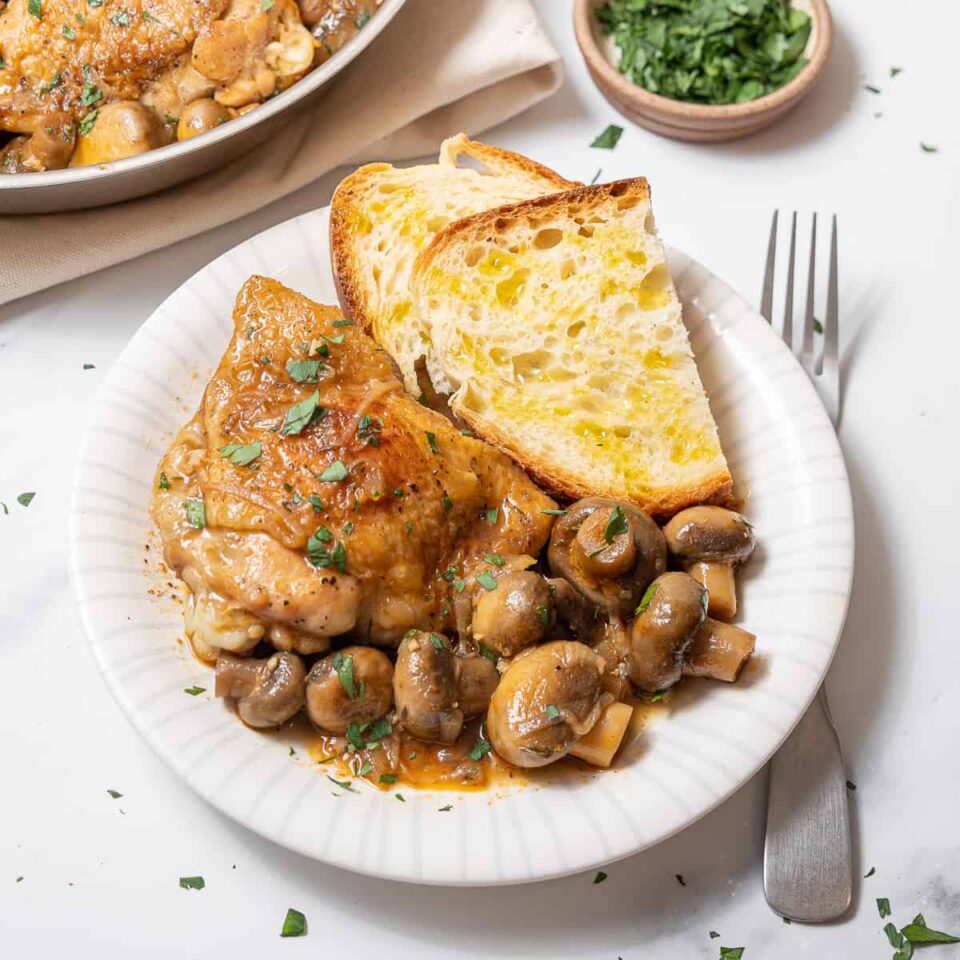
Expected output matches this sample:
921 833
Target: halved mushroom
268 692
353 685
609 551
670 614
549 697
719 651
435 690
710 543
515 615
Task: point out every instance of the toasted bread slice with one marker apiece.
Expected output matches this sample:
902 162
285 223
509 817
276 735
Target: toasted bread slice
382 216
558 323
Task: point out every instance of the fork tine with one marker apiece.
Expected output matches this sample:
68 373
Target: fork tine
806 353
786 331
830 366
766 298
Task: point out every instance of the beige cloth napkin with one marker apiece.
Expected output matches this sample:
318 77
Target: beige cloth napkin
440 67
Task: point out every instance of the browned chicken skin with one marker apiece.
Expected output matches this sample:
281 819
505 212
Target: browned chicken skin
386 541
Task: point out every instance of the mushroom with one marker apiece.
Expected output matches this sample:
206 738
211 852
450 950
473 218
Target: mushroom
200 116
719 651
515 615
425 687
573 608
609 551
268 692
435 689
669 615
477 678
710 543
611 641
353 685
48 147
549 697
121 129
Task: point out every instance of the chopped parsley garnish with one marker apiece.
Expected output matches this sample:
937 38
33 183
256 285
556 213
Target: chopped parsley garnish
343 784
817 325
323 535
355 736
714 934
294 923
89 366
646 599
609 138
492 514
336 472
35 8
342 323
25 499
552 711
149 17
450 573
439 641
459 585
446 502
121 19
680 879
365 768
304 371
192 883
731 953
851 785
116 794
90 94
196 512
339 557
400 797
388 778
870 88
316 503
344 667
337 340
86 124
596 176
543 615
555 513
487 580
616 525
708 52
195 691
917 931
320 556
485 651
883 907
378 730
870 873
444 809
895 70
368 429
241 454
362 20
432 442
600 877
292 752
495 559
480 749
52 84
928 147
301 414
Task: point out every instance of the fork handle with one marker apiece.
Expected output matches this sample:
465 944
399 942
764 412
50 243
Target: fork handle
807 869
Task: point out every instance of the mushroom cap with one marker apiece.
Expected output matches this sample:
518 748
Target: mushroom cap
515 615
549 697
268 692
617 596
477 678
353 685
425 688
709 534
670 614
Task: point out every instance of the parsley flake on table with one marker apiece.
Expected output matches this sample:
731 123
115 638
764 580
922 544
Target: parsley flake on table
680 879
609 138
714 935
241 454
851 785
194 691
895 70
928 147
870 88
731 953
883 907
600 877
301 414
25 499
89 366
917 931
192 883
294 923
870 873
5 508
116 794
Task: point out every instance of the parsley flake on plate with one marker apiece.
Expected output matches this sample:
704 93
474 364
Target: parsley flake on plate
115 794
192 883
25 499
194 691
731 953
480 749
600 877
294 923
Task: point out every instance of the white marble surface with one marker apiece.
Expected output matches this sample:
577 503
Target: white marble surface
98 882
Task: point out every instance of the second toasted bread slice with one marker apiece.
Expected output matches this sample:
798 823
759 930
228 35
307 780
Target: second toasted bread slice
557 321
382 216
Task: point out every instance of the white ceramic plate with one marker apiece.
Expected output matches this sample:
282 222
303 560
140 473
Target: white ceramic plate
782 451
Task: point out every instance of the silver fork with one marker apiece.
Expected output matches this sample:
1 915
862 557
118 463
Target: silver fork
807 861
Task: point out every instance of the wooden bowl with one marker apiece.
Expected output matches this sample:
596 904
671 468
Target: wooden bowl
696 121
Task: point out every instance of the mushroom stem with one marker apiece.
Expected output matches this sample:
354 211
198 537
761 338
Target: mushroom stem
719 651
721 587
